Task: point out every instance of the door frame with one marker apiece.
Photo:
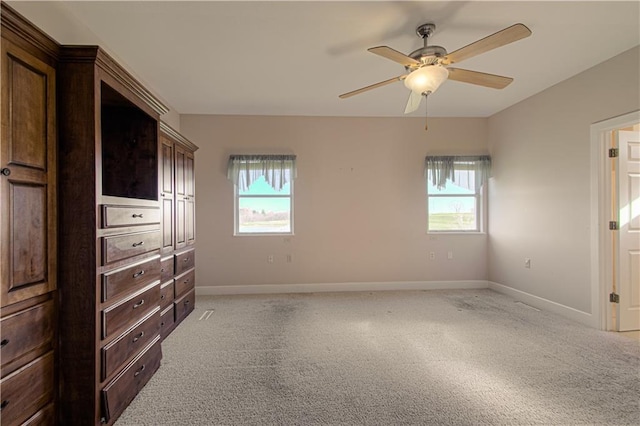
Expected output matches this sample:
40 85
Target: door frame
600 204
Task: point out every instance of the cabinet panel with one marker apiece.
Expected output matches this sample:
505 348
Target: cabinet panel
121 390
133 277
28 185
167 225
166 269
180 183
166 294
166 164
167 321
124 246
25 331
189 175
27 390
130 310
181 224
190 222
131 342
28 103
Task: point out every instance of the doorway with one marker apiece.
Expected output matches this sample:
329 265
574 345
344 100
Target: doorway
615 189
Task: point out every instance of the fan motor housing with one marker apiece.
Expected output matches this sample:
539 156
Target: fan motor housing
428 51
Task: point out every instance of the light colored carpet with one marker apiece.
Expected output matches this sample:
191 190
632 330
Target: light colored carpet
464 357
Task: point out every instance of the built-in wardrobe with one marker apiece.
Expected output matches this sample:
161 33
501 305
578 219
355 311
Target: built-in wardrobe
98 231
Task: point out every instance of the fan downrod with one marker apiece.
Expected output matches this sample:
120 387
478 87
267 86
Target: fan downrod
425 30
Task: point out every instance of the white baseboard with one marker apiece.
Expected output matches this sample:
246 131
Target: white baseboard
545 304
338 287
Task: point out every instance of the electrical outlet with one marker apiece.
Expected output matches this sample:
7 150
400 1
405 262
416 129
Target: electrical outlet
289 258
270 258
450 255
527 263
432 255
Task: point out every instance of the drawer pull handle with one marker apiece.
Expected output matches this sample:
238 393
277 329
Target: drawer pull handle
140 370
140 303
186 281
162 297
137 274
186 259
137 215
186 302
162 324
4 343
162 270
138 244
4 404
5 172
135 339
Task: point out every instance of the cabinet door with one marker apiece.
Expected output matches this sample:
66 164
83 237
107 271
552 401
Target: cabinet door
190 204
167 194
28 179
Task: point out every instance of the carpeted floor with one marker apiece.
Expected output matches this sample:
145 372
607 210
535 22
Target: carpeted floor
463 357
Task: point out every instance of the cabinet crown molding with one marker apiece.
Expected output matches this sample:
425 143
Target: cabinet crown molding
164 127
94 54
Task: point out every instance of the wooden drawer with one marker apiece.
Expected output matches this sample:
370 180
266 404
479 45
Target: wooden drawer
185 305
44 417
130 310
166 295
185 261
131 342
27 390
123 246
166 321
25 331
114 216
185 282
125 386
126 280
166 269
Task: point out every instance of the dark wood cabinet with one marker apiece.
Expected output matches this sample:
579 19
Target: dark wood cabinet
28 223
177 190
87 291
111 236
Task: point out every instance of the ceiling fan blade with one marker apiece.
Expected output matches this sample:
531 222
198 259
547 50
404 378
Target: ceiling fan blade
479 78
501 38
373 86
394 55
413 103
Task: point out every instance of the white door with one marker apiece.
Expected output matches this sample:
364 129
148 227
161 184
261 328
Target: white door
629 230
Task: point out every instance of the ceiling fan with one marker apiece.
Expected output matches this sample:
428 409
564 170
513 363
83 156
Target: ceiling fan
428 67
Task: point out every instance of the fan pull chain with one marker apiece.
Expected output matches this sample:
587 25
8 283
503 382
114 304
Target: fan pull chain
426 112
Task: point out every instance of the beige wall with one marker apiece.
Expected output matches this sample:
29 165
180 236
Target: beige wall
539 202
360 207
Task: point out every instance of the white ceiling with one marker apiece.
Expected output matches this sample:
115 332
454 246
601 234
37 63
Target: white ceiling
296 57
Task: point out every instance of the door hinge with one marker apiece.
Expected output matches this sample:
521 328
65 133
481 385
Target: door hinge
613 225
613 152
614 298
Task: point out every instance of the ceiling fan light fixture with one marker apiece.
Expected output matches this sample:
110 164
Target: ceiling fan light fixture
426 79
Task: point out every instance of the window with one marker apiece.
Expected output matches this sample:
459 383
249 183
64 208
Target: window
454 192
263 193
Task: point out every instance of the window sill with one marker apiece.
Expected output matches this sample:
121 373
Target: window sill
456 233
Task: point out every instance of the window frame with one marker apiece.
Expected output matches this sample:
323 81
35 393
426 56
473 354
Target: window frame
236 211
480 205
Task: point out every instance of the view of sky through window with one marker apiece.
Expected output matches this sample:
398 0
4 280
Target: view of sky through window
263 209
